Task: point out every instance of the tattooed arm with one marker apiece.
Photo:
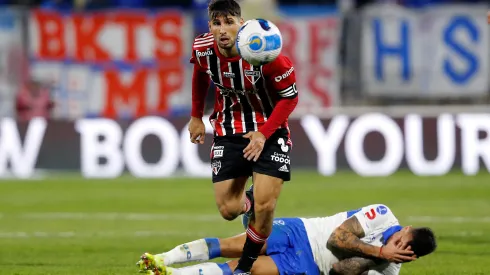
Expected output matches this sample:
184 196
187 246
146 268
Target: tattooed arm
354 266
347 238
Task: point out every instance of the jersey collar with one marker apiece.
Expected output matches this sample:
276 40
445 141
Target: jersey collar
222 57
389 232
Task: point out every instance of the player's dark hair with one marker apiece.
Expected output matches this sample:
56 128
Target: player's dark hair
424 241
223 8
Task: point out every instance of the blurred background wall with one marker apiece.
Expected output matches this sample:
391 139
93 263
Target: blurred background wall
383 85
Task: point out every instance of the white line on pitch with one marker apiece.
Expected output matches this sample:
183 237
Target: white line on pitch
200 217
456 219
120 216
99 234
142 234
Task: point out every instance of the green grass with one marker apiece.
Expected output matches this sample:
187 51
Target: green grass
99 235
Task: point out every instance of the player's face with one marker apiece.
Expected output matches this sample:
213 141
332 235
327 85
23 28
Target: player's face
225 29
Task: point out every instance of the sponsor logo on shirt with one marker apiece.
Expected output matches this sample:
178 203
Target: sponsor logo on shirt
371 214
229 74
284 75
382 210
203 54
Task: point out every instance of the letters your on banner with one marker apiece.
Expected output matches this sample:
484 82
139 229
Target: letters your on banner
438 52
458 141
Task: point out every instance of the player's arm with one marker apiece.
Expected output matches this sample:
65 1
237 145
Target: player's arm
282 76
354 265
200 86
347 237
374 218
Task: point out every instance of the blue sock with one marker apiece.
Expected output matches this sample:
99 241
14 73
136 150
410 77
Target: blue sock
213 248
226 269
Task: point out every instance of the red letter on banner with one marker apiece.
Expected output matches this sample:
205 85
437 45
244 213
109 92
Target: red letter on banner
117 93
87 29
168 29
317 76
170 82
320 38
289 34
130 21
51 34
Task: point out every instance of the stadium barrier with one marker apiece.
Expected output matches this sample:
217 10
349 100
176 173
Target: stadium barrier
370 144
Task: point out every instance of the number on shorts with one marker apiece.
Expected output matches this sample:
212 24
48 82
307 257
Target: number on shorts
284 146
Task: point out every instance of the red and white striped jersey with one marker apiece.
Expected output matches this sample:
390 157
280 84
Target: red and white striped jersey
245 94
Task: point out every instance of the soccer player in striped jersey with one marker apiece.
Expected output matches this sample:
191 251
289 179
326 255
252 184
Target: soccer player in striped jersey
250 122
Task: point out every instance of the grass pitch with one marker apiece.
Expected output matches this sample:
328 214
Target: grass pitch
68 225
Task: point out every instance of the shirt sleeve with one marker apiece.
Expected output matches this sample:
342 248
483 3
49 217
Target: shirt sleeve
375 217
200 86
280 73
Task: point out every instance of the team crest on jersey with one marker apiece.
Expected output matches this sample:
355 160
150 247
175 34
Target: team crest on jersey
252 76
216 166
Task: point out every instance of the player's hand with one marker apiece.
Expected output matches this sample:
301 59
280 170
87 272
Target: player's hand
255 147
392 253
197 130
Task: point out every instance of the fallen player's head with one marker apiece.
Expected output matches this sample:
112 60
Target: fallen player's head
421 240
225 19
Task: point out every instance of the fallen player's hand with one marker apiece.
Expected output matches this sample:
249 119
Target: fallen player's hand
197 130
255 147
394 254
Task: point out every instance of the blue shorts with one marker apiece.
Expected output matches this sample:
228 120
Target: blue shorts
289 248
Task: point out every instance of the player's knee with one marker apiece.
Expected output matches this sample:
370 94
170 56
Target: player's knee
228 211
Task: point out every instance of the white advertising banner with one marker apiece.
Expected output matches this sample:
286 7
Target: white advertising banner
372 144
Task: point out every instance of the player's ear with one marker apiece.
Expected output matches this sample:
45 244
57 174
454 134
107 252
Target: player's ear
209 26
241 21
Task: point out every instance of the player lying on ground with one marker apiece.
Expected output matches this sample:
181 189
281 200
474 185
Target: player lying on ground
250 122
367 241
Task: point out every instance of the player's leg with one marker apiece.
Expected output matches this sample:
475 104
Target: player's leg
269 173
198 250
264 265
266 194
230 174
233 247
230 197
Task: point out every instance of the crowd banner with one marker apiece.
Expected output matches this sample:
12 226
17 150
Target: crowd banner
370 144
436 52
12 60
312 43
132 63
115 64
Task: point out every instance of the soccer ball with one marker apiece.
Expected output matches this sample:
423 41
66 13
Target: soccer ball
259 41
